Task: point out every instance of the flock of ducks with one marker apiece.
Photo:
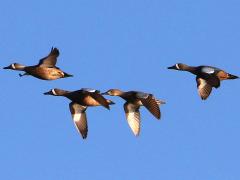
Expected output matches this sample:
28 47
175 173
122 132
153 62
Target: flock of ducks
207 77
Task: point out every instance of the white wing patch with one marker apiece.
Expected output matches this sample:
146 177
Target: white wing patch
208 70
142 95
79 118
133 119
89 89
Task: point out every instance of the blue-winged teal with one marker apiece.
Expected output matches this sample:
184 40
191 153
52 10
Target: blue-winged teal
81 100
135 99
207 77
45 70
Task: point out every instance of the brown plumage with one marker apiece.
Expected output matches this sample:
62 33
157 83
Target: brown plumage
45 70
207 77
80 101
134 100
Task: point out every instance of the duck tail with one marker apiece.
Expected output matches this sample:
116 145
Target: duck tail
110 102
159 102
230 76
67 75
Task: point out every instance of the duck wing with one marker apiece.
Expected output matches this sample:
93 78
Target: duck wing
99 98
204 88
50 60
152 105
79 118
133 117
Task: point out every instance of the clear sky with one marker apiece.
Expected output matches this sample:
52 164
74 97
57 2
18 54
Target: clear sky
123 44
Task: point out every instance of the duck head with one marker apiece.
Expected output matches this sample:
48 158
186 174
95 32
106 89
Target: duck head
113 92
56 92
15 66
179 66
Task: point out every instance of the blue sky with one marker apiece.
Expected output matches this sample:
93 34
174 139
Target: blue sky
123 44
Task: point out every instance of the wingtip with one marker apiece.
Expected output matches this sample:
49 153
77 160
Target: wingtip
204 98
67 75
136 134
55 50
84 137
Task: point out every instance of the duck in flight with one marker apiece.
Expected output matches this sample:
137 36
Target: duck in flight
45 70
80 101
207 77
134 100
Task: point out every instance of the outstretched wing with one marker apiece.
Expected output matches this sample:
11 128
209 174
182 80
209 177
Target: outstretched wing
133 117
51 59
79 118
204 88
152 105
99 98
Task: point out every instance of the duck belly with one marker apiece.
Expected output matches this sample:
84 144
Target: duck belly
45 73
84 100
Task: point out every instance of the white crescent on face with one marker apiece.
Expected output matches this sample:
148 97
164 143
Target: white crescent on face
54 92
177 66
13 66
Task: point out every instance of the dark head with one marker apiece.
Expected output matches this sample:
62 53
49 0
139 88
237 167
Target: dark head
179 66
113 92
15 66
55 92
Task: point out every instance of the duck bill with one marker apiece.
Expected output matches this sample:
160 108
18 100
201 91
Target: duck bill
105 93
8 67
172 67
48 93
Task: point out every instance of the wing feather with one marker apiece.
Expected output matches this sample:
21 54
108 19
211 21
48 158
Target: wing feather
204 88
152 105
99 98
79 118
133 117
51 59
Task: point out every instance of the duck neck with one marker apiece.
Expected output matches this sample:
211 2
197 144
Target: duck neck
190 69
18 67
120 93
60 92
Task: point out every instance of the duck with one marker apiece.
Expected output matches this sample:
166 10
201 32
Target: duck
45 70
80 101
207 77
134 100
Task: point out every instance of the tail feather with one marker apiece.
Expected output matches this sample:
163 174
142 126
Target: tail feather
230 76
110 102
159 102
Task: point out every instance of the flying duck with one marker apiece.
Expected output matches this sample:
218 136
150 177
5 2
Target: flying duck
207 77
135 99
80 101
45 70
